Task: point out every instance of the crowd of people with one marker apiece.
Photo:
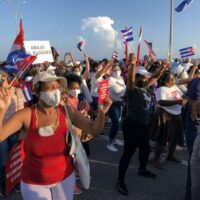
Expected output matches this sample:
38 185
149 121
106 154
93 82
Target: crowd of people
156 104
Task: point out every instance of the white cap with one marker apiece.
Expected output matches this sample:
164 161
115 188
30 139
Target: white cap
48 76
142 71
28 78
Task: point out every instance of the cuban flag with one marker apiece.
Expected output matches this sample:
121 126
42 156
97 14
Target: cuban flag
26 90
115 56
187 52
17 59
27 93
183 5
127 35
80 45
151 52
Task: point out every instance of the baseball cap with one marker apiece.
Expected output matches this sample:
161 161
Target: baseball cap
48 76
142 71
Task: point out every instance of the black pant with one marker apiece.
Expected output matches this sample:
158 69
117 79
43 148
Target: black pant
135 136
86 147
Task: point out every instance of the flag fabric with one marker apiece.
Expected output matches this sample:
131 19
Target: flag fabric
187 52
151 52
183 5
17 55
28 96
115 56
139 44
80 46
127 35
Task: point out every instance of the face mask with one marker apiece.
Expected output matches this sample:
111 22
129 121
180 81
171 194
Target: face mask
77 73
51 98
116 74
74 92
46 131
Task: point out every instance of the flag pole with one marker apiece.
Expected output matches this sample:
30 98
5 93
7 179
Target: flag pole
115 40
171 31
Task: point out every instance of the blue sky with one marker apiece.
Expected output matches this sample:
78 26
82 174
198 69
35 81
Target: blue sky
63 22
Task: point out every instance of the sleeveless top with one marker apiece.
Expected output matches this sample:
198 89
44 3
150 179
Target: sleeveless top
47 160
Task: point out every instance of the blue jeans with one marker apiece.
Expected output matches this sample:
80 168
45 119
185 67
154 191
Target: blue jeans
114 113
190 136
5 148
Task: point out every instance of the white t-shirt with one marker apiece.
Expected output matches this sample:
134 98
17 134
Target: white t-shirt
94 84
173 93
183 87
117 88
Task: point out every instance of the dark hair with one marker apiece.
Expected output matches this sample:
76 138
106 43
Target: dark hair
154 67
38 87
94 65
164 78
71 78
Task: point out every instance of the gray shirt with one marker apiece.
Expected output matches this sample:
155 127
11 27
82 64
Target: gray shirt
139 105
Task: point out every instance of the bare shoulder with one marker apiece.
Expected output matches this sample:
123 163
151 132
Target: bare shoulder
25 111
24 115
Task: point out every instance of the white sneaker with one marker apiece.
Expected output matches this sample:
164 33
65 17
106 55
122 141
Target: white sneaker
119 142
111 147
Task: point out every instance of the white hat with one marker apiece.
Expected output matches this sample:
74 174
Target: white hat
48 76
142 71
28 78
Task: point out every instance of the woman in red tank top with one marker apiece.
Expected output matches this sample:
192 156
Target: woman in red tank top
48 170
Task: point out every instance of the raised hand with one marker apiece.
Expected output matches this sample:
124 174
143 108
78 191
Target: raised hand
6 95
132 59
105 106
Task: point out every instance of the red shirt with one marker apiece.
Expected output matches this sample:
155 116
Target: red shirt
46 157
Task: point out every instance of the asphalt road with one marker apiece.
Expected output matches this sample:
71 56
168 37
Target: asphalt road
169 185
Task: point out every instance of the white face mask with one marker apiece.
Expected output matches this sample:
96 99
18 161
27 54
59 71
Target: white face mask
74 92
77 73
51 98
116 74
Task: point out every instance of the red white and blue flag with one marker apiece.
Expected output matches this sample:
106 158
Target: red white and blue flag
17 59
115 56
127 35
151 52
80 45
187 52
28 96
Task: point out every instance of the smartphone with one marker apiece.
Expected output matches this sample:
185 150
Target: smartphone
81 97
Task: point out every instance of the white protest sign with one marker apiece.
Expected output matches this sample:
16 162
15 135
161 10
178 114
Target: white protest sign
41 49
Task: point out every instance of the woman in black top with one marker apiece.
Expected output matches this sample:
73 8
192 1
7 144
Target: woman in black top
136 121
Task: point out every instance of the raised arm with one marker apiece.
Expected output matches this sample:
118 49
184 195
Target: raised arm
16 122
154 78
191 74
72 58
65 59
104 69
87 70
131 72
88 126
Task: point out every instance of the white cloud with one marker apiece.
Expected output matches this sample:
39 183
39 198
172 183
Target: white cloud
102 26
